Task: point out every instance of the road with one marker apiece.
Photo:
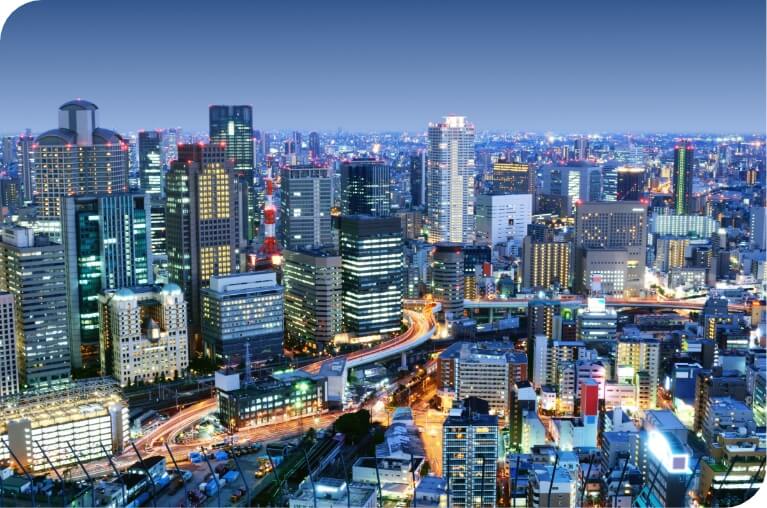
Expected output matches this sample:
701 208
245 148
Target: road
431 420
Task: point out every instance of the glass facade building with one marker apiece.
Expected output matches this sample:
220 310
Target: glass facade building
150 162
366 187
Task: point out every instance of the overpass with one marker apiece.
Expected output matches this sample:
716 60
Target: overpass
422 327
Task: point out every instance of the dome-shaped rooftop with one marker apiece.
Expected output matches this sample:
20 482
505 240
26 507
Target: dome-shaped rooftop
78 105
105 136
57 137
123 294
171 289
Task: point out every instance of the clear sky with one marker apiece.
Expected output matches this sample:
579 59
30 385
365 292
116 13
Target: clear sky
563 66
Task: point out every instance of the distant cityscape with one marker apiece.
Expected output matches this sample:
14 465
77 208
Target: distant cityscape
445 318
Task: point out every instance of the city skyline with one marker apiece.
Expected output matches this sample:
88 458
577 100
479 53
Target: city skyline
593 70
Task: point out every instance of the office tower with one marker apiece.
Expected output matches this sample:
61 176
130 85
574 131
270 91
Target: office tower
488 370
9 364
25 157
10 194
630 183
372 273
150 162
469 453
240 312
693 226
670 252
545 264
365 187
503 219
513 178
295 139
107 245
635 356
202 210
143 333
684 159
157 228
448 278
305 203
416 267
232 128
32 269
610 181
417 165
451 180
581 148
315 151
170 140
549 487
313 298
78 158
611 244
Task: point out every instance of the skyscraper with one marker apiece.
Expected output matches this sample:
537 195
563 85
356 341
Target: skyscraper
503 219
107 245
372 274
32 269
203 235
9 367
232 128
469 454
313 297
513 178
25 157
684 158
306 199
545 264
451 180
630 183
366 187
78 158
417 166
243 310
150 162
314 146
448 278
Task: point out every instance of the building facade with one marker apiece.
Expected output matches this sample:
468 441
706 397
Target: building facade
305 202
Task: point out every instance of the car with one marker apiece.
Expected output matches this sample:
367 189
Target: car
186 475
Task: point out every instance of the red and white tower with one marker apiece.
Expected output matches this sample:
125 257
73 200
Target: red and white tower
268 254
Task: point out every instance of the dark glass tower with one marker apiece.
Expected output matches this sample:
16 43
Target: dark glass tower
150 162
233 126
684 155
418 179
630 183
366 187
314 145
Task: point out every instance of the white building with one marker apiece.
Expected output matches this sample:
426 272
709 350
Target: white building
9 367
333 493
144 333
451 180
503 219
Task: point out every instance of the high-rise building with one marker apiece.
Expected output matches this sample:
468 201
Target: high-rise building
469 455
9 363
306 199
25 157
372 274
78 158
684 159
513 178
143 333
448 278
157 228
630 183
758 233
611 244
150 162
417 166
243 311
315 150
637 355
366 187
488 370
313 298
523 402
476 265
667 472
545 264
503 219
32 269
451 180
232 128
203 217
107 245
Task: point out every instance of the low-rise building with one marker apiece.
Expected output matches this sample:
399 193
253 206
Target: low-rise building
333 493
